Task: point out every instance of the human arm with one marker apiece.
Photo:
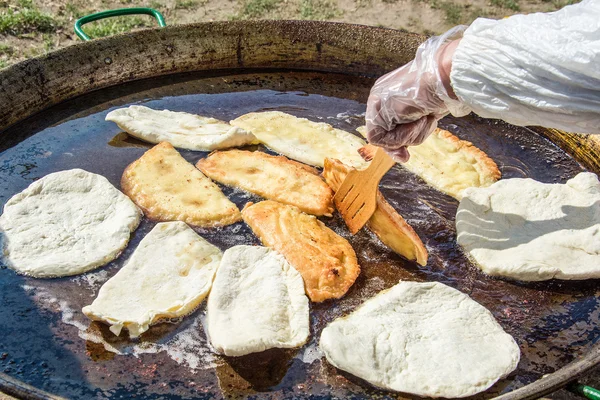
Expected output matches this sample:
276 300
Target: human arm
536 69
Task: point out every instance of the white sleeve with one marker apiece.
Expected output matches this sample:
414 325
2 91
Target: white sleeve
537 69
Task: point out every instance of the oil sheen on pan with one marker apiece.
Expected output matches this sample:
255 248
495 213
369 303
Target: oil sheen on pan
47 342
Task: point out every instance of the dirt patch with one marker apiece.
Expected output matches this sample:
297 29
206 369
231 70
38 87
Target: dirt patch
29 28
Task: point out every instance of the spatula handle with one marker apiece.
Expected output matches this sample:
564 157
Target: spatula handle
380 164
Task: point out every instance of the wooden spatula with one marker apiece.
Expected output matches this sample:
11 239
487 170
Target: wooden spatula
356 197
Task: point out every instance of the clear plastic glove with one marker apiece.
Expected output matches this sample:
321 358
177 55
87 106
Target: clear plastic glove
405 104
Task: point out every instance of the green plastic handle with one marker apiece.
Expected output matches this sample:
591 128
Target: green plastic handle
585 391
115 13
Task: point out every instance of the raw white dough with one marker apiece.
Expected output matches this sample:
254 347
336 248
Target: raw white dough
257 302
303 140
66 223
426 339
532 231
182 130
168 276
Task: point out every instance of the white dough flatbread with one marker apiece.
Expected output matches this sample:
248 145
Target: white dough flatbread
66 223
168 276
257 302
426 339
303 140
182 130
532 231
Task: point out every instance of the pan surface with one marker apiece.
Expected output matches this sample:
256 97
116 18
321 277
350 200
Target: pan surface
48 343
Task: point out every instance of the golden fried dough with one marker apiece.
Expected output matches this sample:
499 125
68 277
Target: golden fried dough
168 188
325 260
385 222
301 139
272 177
449 164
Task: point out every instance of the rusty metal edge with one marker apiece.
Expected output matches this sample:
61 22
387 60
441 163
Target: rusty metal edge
22 390
582 147
36 84
556 380
338 47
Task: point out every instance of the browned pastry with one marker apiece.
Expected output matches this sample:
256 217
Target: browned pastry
168 188
272 177
385 222
325 260
447 163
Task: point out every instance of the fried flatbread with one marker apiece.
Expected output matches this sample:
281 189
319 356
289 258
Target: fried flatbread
272 177
325 260
385 222
448 163
169 188
182 130
257 302
303 140
362 130
167 276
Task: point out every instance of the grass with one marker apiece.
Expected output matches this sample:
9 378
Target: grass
556 4
73 11
185 4
48 42
457 13
26 18
509 4
318 9
112 26
6 50
453 12
155 4
32 31
252 9
164 8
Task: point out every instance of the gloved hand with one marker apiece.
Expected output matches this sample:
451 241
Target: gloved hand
405 104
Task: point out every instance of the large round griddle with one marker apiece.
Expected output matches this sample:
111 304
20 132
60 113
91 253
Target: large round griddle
48 347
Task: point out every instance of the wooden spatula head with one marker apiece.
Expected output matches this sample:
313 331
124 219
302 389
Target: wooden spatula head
356 198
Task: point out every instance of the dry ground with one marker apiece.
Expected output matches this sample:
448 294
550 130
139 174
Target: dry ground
32 27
